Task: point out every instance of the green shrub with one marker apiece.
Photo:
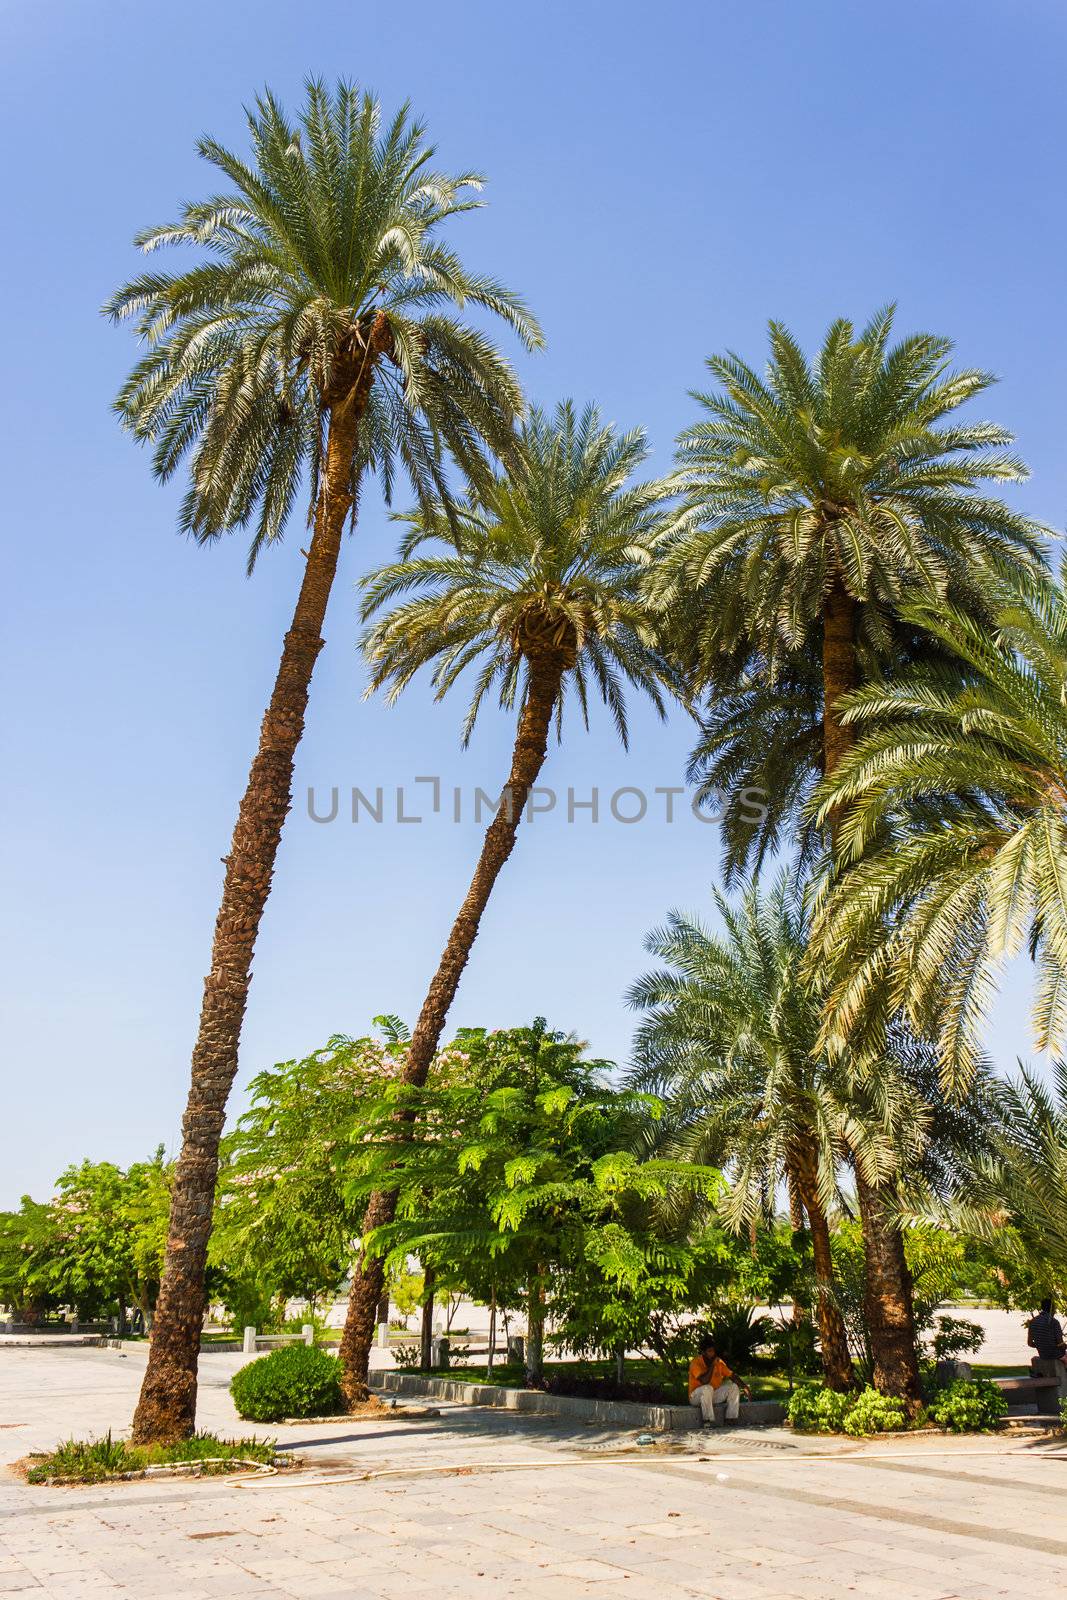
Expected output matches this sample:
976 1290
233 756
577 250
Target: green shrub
291 1382
969 1405
873 1412
834 1407
407 1354
803 1412
817 1410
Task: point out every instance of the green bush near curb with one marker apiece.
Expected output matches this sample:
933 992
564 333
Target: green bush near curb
969 1405
294 1381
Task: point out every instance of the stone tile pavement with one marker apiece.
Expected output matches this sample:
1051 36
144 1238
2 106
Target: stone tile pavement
475 1503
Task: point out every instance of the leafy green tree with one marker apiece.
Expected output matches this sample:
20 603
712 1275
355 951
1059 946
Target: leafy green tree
310 345
26 1238
727 1037
954 831
284 1228
99 1241
524 1176
538 589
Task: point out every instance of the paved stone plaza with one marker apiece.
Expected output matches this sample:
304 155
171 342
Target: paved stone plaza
475 1503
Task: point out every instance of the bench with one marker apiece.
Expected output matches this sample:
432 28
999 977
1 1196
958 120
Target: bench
1042 1390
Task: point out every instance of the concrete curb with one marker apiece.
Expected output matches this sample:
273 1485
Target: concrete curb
51 1341
611 1413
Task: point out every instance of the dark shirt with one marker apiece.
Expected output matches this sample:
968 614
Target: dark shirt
1046 1336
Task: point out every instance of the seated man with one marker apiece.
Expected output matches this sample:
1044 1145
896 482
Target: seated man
710 1384
1045 1335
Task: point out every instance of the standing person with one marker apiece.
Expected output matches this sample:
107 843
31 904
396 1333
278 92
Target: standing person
711 1384
1045 1335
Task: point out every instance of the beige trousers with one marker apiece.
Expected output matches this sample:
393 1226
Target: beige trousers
707 1399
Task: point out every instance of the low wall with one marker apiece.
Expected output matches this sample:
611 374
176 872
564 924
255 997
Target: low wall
611 1413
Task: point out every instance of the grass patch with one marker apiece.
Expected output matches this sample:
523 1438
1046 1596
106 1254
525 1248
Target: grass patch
96 1460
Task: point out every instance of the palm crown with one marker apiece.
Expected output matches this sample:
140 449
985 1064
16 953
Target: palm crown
548 558
851 471
954 827
326 250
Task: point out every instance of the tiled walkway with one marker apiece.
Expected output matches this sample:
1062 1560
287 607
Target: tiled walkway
484 1504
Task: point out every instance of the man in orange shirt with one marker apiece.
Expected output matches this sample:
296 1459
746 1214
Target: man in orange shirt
711 1383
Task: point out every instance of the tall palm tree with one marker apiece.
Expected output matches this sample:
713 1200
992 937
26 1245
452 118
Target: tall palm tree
728 1038
538 587
954 830
821 498
310 344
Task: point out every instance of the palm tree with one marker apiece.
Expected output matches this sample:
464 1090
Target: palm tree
539 586
310 343
821 498
727 1037
954 833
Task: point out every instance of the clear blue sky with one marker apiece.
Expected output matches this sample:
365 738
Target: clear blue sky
663 179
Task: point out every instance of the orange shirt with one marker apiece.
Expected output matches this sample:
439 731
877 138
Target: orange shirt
701 1372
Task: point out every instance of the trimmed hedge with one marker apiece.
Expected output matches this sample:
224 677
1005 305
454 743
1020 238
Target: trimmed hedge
294 1381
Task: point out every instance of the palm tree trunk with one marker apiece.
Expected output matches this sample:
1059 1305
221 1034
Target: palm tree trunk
888 1303
166 1409
833 1339
528 757
888 1293
798 1226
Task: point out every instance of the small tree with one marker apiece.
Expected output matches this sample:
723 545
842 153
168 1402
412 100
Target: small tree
26 1237
284 1227
98 1243
522 1179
